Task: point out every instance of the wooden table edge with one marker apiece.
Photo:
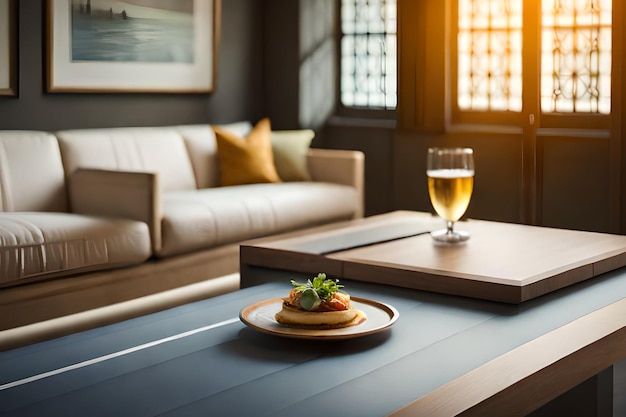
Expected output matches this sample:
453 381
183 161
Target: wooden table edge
531 375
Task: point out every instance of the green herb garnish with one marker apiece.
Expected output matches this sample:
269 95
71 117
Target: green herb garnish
323 287
309 299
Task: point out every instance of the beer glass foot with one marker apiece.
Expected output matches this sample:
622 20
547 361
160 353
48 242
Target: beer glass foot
450 236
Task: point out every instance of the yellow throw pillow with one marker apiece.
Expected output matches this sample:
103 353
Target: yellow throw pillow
246 160
290 148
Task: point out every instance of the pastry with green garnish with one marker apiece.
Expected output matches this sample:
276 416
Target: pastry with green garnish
319 303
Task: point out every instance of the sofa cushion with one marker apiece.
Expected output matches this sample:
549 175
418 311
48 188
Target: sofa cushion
217 216
202 149
290 148
145 149
31 172
246 160
37 245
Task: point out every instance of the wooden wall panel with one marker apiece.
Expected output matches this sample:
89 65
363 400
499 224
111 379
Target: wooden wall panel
575 186
497 183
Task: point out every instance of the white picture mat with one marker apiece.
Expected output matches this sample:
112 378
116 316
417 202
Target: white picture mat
65 75
5 49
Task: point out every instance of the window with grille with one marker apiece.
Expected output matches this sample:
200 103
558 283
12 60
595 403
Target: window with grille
368 54
576 56
507 60
490 55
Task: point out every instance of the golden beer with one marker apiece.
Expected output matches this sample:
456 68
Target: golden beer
450 191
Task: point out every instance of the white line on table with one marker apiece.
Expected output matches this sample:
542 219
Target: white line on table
114 355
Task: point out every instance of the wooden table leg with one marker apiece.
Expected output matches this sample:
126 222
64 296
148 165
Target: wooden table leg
592 398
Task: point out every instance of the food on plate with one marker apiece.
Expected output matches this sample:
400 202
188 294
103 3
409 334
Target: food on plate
319 304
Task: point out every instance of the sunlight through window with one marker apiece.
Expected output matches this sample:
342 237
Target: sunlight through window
490 55
575 55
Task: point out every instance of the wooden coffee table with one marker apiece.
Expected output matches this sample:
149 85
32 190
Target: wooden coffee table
504 262
444 356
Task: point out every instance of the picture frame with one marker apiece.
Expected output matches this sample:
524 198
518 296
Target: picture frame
100 46
8 47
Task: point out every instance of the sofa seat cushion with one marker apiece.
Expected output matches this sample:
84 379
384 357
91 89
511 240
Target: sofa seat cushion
37 245
217 216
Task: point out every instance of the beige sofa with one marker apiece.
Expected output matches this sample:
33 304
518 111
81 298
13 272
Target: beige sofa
90 218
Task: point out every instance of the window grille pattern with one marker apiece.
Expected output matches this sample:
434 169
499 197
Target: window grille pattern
368 54
490 55
576 56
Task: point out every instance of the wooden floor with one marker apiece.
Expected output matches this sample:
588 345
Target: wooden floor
619 389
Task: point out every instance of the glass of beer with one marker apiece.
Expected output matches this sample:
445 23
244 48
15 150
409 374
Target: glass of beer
450 174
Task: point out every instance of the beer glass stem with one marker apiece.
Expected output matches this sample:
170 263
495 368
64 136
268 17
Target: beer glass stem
450 226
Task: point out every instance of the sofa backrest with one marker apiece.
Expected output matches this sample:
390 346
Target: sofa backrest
145 149
202 149
31 172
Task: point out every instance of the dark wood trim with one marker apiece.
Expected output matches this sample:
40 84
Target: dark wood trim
421 65
12 89
618 94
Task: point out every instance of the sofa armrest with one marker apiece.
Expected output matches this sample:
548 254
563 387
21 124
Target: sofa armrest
130 195
339 166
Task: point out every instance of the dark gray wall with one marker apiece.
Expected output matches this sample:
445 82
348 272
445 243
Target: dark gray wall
299 58
239 92
282 81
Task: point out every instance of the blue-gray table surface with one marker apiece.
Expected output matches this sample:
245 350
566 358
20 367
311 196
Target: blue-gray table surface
199 359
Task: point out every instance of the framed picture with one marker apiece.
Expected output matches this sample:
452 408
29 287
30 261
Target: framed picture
8 47
151 46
